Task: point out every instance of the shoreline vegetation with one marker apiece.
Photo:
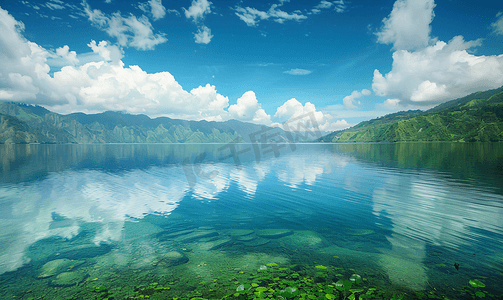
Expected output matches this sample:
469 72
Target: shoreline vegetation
475 118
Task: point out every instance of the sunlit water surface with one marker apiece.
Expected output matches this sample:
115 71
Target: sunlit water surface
400 215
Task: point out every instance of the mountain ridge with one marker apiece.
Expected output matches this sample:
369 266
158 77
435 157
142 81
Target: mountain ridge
22 123
477 117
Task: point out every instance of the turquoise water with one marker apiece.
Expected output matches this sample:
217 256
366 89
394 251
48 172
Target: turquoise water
78 217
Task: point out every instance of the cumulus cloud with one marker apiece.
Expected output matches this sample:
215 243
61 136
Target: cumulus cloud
198 9
249 109
349 101
70 56
392 104
203 35
196 12
96 86
251 16
293 109
408 25
298 72
129 31
437 73
158 11
24 70
106 51
334 126
498 24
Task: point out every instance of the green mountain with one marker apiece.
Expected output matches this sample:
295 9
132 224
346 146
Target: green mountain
22 123
475 118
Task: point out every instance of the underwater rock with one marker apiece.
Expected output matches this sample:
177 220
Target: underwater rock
256 242
167 235
246 238
171 259
67 279
205 228
356 231
305 239
57 266
197 235
213 245
239 232
274 233
86 251
134 230
209 239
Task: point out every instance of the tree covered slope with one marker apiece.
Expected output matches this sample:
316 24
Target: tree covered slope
34 124
476 117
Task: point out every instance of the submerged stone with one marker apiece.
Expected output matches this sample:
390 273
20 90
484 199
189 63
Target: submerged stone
305 239
86 251
213 245
205 228
197 235
356 231
67 279
57 266
209 239
167 235
133 230
172 258
246 238
240 232
274 233
256 242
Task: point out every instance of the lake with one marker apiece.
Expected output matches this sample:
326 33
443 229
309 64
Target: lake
129 221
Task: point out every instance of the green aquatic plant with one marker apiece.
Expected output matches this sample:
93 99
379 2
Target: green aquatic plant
473 289
476 283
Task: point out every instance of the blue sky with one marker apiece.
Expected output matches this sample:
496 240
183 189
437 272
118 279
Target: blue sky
256 61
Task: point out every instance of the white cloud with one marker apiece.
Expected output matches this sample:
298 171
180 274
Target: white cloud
173 11
24 70
438 73
293 109
298 72
408 25
249 109
107 52
96 86
428 90
251 16
53 6
70 56
334 126
339 6
204 36
349 101
392 104
324 4
129 31
158 11
498 24
198 9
